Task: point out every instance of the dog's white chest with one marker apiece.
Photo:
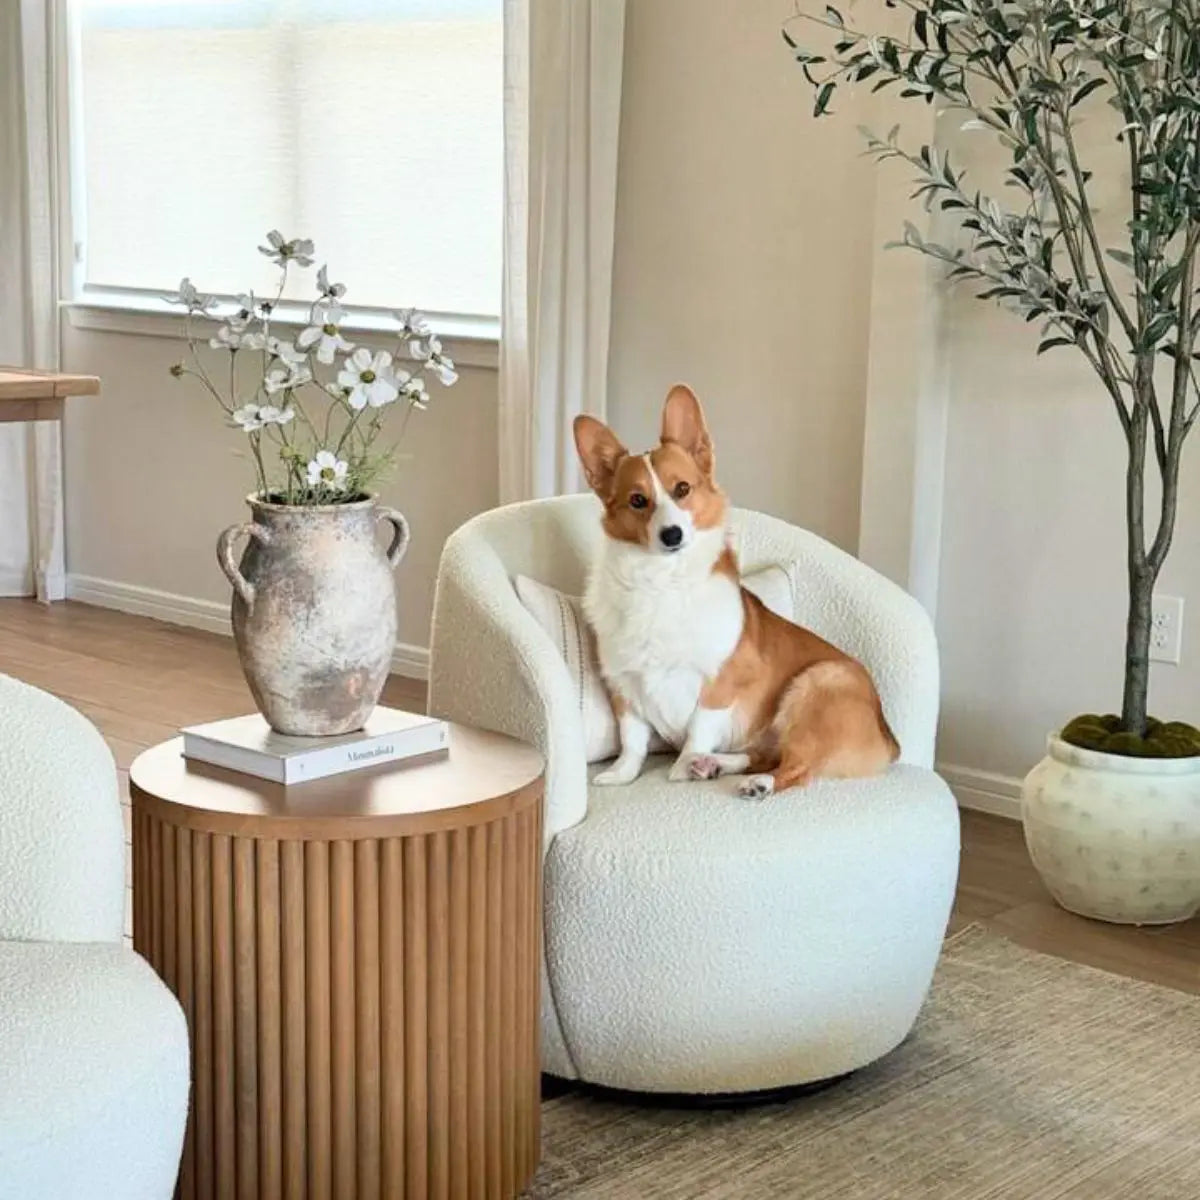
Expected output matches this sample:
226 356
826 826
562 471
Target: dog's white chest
660 636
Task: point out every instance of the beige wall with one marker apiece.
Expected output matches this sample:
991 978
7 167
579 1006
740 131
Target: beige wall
153 477
743 254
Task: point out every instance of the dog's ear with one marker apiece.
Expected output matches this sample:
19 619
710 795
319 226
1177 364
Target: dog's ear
683 424
599 453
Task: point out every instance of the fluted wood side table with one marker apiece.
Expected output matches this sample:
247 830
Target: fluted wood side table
358 959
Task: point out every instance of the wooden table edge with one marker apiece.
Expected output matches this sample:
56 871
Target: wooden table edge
29 383
331 827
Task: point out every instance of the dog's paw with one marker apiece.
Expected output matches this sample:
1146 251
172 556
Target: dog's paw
704 766
681 769
616 776
755 787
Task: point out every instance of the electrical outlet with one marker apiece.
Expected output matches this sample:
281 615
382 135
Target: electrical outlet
1166 628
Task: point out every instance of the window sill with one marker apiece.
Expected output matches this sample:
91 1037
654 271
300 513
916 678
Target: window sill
469 341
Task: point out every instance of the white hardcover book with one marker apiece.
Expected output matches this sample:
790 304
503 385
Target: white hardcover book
250 745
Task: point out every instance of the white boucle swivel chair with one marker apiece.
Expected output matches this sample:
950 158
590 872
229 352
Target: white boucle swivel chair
697 943
93 1047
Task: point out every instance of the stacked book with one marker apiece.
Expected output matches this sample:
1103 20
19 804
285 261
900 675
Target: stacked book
250 745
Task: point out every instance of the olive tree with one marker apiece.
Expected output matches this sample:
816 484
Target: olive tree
1026 71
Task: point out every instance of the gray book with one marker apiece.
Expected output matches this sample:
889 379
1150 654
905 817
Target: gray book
248 744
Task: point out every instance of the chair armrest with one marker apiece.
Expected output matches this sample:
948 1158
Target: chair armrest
62 846
493 666
892 635
863 613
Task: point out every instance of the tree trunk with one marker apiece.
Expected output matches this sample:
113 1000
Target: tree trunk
1141 574
1137 652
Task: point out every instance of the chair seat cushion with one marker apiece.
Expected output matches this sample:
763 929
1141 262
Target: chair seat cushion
93 1074
699 942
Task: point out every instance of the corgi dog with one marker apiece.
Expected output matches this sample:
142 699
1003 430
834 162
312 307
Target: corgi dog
690 655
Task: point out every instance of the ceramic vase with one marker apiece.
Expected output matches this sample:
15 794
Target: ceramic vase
314 610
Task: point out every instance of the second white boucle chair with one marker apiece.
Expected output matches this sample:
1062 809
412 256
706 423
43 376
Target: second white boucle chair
695 942
93 1047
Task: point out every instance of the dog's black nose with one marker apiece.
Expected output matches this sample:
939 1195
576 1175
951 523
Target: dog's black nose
671 536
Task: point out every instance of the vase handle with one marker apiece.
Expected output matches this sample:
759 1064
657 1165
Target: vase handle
399 547
241 584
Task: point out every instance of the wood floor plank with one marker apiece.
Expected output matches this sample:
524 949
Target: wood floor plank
997 874
1147 953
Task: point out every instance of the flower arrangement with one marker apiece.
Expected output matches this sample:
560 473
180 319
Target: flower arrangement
314 407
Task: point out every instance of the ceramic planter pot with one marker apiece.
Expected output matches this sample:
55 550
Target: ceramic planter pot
314 611
1114 837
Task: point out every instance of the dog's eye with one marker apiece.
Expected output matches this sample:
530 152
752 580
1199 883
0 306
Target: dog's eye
681 489
637 500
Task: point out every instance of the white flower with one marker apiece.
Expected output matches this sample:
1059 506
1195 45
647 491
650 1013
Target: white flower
246 313
247 418
276 347
228 338
251 417
328 471
285 351
325 335
412 324
281 251
270 415
368 380
415 393
430 352
282 379
333 291
190 298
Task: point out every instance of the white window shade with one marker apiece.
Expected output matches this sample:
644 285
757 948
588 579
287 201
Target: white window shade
373 127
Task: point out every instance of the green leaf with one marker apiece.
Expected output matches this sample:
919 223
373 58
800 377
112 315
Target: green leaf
1087 89
1151 187
921 27
1123 257
1051 342
1158 328
835 16
821 107
1165 284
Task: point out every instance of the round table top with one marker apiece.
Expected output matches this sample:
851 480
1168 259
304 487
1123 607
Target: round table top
484 776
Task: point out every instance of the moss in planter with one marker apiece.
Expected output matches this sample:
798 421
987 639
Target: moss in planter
1164 739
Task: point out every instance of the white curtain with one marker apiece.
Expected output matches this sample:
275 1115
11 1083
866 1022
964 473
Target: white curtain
562 104
31 537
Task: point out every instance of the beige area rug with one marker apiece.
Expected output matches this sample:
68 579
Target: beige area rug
1027 1078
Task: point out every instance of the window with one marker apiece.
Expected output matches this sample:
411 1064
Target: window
373 127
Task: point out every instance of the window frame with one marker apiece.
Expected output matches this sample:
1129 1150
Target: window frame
471 340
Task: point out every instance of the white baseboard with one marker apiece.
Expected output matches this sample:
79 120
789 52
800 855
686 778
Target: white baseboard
410 661
210 615
15 582
150 602
984 791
